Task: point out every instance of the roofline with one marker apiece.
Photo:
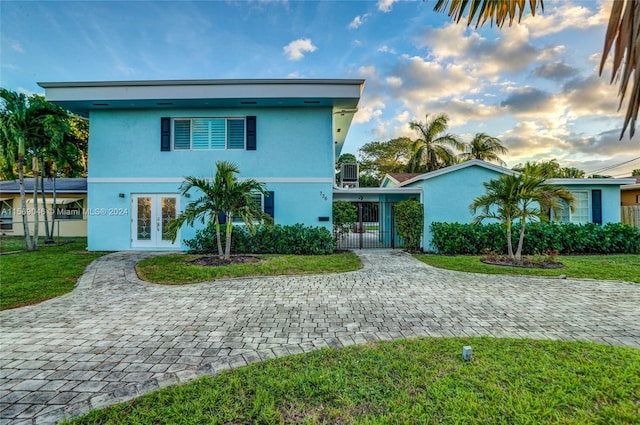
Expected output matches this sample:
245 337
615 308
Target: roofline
451 168
630 187
619 182
379 190
388 176
221 82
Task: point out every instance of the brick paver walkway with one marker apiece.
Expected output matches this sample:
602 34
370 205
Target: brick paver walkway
115 337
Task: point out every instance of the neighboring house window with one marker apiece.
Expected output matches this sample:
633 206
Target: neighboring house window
71 211
209 133
580 215
6 215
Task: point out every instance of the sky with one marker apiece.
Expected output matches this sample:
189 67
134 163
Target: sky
535 85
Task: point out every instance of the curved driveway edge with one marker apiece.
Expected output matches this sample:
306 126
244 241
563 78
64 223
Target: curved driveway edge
115 337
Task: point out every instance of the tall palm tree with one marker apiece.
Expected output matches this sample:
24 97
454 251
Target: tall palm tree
223 198
623 31
485 148
523 196
431 150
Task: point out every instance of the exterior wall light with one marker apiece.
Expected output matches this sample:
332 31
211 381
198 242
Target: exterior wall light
120 195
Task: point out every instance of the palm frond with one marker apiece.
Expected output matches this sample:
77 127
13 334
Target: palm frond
492 11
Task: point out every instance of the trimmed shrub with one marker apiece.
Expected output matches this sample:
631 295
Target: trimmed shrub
566 238
409 222
345 214
278 239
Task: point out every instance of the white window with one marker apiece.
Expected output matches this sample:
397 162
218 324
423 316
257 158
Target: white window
6 214
208 133
581 213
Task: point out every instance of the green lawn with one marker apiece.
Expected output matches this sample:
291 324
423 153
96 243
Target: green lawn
31 277
610 267
176 269
420 380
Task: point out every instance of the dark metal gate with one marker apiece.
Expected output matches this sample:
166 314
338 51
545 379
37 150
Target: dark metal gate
375 227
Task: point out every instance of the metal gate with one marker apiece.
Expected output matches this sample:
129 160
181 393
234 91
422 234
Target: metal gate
375 227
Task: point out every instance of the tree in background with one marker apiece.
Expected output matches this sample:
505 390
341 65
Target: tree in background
549 169
432 149
636 172
223 196
484 148
380 158
623 31
345 215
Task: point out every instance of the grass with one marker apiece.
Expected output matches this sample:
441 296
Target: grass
176 269
609 267
421 380
31 277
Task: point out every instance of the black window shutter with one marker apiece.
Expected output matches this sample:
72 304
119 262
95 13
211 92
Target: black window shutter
251 133
596 206
222 218
269 204
165 134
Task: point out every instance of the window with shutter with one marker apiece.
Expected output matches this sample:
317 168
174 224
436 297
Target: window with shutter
209 133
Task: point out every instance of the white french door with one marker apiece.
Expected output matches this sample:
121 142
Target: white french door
151 214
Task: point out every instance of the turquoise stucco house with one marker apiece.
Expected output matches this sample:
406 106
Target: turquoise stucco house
145 136
447 193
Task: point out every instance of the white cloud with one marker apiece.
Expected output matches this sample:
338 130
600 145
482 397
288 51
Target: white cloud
386 49
357 21
566 16
296 49
385 5
15 45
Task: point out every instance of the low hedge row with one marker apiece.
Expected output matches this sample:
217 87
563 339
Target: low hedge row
278 239
566 238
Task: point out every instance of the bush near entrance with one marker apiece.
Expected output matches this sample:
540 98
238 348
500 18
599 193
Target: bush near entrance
409 218
566 238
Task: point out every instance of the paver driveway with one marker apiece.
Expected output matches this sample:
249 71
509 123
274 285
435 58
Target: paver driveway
115 337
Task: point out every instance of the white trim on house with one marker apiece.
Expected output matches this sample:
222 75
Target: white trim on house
591 182
181 179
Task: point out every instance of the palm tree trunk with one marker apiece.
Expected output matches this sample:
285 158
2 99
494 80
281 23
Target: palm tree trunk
227 249
48 239
53 216
218 236
509 243
23 198
521 239
36 224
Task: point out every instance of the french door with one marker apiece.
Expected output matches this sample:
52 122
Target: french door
151 214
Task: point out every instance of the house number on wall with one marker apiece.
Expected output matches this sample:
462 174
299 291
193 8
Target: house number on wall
323 196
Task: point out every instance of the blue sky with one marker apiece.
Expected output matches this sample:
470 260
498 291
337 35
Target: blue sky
534 85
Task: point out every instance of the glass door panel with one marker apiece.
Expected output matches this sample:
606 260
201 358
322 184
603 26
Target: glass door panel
152 213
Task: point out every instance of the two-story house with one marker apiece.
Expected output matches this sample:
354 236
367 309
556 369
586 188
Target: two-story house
146 136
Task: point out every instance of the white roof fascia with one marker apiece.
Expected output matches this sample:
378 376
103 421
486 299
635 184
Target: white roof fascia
457 167
203 89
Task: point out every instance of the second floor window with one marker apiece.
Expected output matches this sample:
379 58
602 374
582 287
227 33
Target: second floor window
209 133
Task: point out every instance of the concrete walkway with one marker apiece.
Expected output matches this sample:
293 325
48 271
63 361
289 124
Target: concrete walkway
115 337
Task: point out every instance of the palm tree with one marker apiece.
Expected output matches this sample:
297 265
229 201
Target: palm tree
499 203
223 198
484 148
431 150
523 196
623 31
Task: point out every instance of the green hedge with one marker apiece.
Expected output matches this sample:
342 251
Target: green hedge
566 238
295 239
